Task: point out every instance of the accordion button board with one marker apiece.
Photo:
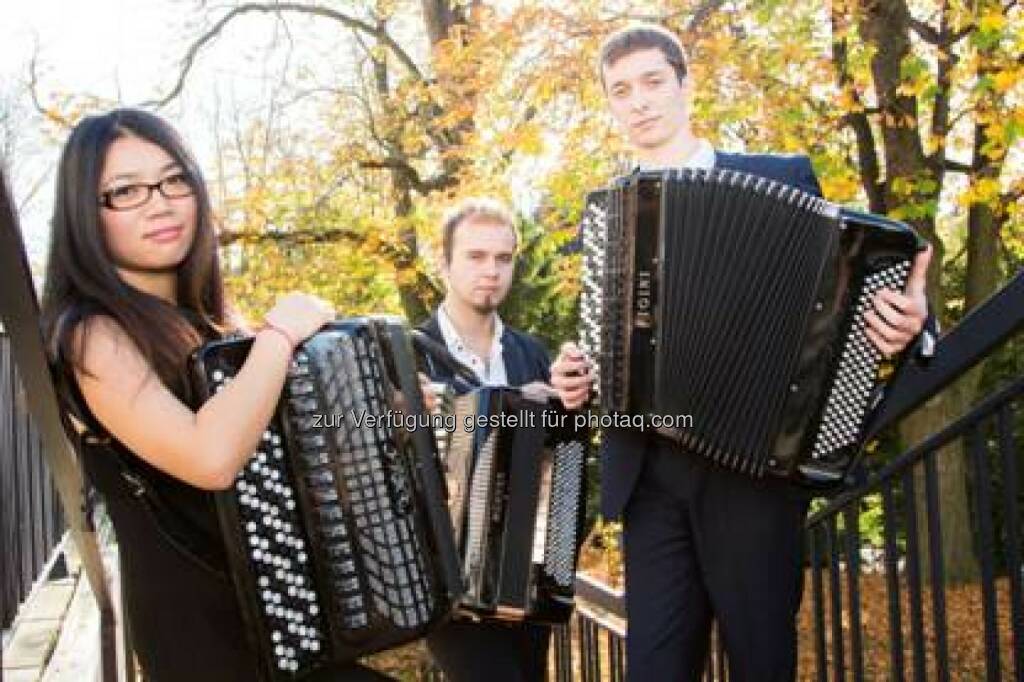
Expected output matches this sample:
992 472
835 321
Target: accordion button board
336 529
738 303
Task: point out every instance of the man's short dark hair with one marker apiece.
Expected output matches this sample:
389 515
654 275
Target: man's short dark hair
626 41
476 208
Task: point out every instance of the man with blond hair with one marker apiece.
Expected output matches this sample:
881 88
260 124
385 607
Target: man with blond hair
479 255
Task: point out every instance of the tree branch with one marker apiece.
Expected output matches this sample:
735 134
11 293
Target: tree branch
957 166
943 80
305 236
940 37
278 8
1012 195
33 190
440 181
926 32
867 154
702 14
33 83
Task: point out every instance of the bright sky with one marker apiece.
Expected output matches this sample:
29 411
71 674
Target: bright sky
103 46
128 51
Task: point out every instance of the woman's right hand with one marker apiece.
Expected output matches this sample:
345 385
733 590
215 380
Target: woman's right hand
300 315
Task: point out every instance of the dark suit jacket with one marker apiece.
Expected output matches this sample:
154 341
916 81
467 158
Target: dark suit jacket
624 450
525 358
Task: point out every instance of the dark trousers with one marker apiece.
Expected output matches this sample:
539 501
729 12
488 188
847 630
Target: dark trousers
490 652
701 543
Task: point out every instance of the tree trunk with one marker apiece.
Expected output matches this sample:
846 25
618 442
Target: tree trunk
438 17
912 182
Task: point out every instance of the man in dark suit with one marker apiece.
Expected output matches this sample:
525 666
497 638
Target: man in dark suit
702 542
479 245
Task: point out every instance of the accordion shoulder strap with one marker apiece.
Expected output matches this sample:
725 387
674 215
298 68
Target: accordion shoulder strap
439 353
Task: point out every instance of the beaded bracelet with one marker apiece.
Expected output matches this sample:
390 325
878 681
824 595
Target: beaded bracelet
292 343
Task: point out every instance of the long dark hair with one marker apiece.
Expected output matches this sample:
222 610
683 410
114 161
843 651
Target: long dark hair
81 279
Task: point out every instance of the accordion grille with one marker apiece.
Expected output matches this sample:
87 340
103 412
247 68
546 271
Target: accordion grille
378 486
735 306
479 514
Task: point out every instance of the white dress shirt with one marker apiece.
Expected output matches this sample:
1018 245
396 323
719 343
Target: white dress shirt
703 158
490 371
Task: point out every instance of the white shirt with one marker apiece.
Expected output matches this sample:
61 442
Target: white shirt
490 372
703 158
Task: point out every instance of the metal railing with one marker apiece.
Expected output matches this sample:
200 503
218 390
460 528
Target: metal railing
917 644
591 646
31 522
916 613
19 313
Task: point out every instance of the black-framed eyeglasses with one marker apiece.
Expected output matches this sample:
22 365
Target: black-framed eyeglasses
127 197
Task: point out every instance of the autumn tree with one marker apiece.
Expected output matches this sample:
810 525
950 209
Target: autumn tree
909 108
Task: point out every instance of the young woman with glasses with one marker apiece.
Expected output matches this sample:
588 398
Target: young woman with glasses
132 287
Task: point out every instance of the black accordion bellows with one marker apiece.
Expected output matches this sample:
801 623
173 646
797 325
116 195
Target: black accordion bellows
337 530
737 302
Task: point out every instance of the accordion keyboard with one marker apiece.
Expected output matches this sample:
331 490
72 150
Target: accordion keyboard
850 397
352 556
277 551
561 519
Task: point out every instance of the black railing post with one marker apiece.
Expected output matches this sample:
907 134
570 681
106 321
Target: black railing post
983 502
836 597
616 657
937 569
31 524
1011 519
892 585
851 520
818 603
913 568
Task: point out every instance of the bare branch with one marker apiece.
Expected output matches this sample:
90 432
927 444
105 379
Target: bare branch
278 8
305 236
33 190
702 14
440 181
33 83
957 166
1011 196
926 32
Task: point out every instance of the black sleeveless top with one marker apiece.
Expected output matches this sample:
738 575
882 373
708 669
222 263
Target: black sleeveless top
179 600
178 596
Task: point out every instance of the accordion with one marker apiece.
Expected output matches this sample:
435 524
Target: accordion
515 487
515 471
732 308
337 531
